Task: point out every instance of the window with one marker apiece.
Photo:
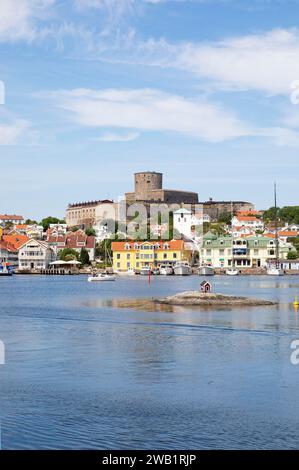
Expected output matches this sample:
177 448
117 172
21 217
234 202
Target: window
174 255
164 255
128 256
118 256
128 265
118 265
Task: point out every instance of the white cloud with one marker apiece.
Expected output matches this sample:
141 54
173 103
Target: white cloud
11 134
150 110
17 18
268 62
114 137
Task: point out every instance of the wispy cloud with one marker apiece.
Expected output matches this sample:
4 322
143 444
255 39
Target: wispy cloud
15 133
116 137
150 110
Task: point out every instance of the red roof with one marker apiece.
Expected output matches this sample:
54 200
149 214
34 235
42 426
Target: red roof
15 240
247 218
173 245
75 240
11 217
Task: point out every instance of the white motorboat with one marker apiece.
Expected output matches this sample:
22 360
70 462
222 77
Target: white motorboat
232 272
129 272
206 271
274 271
145 271
182 268
101 277
166 270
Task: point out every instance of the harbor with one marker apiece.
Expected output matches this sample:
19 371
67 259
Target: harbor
96 365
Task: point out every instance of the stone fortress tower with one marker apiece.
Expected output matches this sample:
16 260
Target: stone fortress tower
149 189
146 182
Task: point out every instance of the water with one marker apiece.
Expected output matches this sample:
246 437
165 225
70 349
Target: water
83 372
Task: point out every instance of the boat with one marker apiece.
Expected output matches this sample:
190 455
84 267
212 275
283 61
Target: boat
232 271
275 270
145 271
166 270
129 272
101 277
182 268
206 271
104 276
5 271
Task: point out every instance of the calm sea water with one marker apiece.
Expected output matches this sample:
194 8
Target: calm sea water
83 371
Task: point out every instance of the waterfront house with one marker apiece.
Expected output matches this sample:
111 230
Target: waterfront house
250 222
136 255
74 240
8 254
248 252
35 255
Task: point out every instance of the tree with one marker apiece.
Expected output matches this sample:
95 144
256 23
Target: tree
292 255
75 229
225 218
102 247
84 256
30 222
270 214
50 220
90 232
68 254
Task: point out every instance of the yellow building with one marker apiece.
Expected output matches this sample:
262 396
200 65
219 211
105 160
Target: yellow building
136 255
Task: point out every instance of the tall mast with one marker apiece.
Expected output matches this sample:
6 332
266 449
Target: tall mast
232 215
276 228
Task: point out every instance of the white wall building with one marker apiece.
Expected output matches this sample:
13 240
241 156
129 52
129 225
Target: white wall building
35 254
187 224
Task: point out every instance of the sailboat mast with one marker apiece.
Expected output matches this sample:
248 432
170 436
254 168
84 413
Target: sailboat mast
276 228
232 215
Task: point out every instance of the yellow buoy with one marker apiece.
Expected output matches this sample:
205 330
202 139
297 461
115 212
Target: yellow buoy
296 302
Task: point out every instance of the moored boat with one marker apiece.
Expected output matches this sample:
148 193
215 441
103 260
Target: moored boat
182 268
145 271
166 270
206 271
232 272
5 270
275 271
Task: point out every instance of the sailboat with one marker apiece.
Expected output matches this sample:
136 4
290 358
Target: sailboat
275 270
232 271
105 276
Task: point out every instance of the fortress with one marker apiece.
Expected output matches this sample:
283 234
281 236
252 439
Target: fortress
149 189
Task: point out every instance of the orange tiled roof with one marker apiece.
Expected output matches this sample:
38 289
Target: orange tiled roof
247 218
173 245
15 240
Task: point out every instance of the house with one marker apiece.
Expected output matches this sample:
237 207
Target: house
248 221
205 286
32 231
248 252
74 240
242 232
8 254
187 224
12 219
35 255
136 255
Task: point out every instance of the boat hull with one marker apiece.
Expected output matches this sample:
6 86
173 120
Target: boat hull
206 271
182 270
275 272
100 278
232 272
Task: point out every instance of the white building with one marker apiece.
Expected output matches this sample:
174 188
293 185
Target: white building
247 221
35 255
187 224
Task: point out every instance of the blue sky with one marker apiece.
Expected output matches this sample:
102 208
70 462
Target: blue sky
96 90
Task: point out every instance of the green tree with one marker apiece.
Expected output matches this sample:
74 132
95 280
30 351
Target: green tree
75 229
68 254
84 256
102 247
90 232
30 222
50 220
292 255
225 218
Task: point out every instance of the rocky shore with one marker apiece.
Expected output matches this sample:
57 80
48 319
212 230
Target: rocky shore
202 298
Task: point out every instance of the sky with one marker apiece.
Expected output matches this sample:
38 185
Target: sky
91 91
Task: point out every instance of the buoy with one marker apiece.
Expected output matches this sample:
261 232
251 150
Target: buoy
296 302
